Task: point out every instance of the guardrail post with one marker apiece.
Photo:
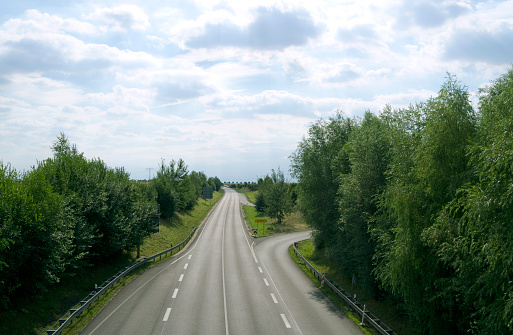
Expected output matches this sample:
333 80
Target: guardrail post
363 317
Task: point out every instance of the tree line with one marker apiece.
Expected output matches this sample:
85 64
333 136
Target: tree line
417 202
69 213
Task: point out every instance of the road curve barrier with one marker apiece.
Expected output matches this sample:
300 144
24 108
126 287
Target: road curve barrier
366 316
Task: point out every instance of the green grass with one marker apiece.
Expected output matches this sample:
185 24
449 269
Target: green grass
386 311
176 230
251 195
292 222
34 315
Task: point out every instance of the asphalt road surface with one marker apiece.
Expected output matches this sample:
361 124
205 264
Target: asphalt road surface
225 282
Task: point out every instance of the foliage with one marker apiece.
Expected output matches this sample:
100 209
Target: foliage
215 183
417 202
107 213
438 167
275 197
367 152
260 203
166 184
316 164
35 235
473 234
177 189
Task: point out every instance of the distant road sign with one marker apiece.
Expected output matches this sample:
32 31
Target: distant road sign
208 193
255 231
260 220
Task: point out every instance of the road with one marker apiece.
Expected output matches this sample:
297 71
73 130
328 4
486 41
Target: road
226 282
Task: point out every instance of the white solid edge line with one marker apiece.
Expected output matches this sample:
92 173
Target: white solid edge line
166 316
246 236
284 318
253 251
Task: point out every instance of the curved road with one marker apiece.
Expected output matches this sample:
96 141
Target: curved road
224 283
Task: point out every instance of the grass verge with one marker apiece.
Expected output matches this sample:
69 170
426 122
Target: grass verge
34 315
251 195
291 223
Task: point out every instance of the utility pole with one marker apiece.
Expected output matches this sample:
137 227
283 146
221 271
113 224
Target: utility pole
149 173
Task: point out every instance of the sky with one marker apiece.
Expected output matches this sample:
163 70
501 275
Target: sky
230 87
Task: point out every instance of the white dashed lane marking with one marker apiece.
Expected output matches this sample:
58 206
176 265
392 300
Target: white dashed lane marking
284 318
166 316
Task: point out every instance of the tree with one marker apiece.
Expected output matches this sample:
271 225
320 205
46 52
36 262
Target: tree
473 234
315 165
35 236
367 150
438 168
275 193
260 205
166 185
100 201
215 183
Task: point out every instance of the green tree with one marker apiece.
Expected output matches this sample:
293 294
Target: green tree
101 202
260 205
473 235
35 236
275 193
413 199
367 151
316 164
166 184
215 183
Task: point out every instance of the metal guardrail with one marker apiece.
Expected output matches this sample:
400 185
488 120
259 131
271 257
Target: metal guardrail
367 316
67 318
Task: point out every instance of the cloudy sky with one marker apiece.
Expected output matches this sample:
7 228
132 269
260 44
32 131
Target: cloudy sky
229 86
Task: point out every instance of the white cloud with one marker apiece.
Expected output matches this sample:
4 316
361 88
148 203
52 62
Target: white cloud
272 29
429 13
122 18
35 21
122 96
